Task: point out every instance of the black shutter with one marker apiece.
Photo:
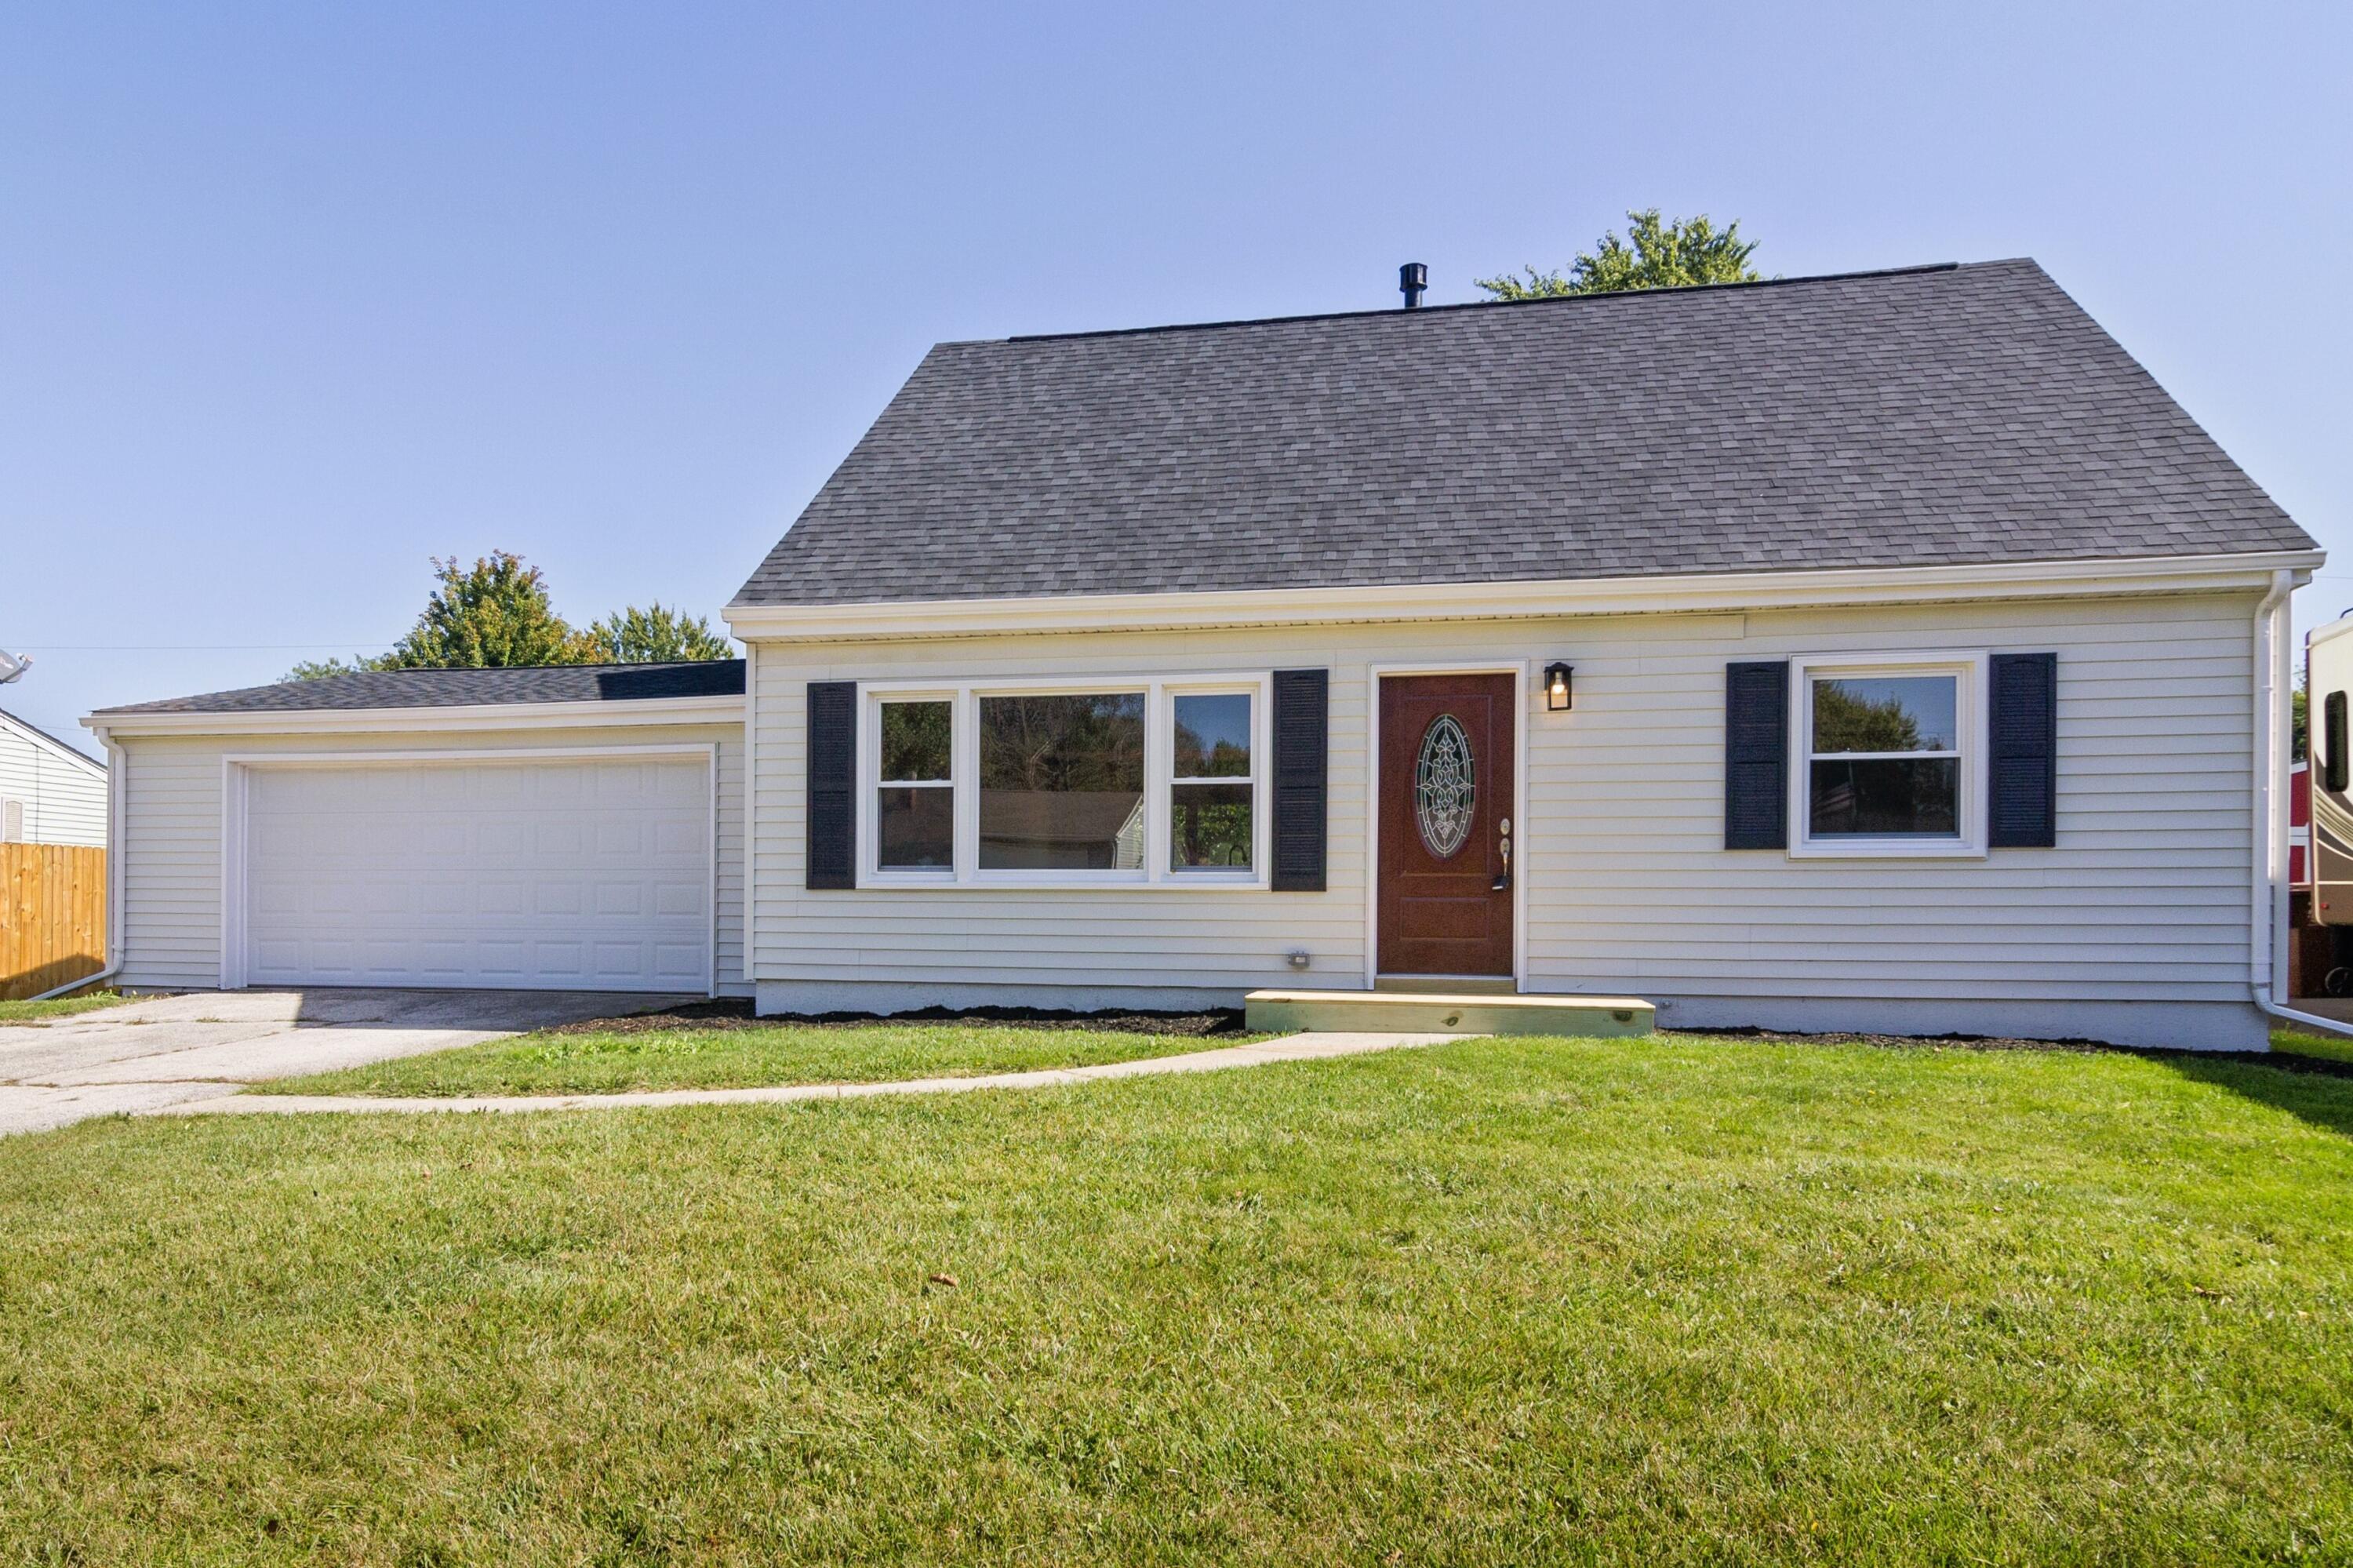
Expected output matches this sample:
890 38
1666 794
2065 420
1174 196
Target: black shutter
2023 729
1302 705
833 784
1757 755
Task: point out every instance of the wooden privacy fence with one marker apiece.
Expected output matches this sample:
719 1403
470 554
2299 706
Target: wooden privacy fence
52 916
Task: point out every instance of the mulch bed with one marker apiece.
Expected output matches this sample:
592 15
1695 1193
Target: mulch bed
736 1013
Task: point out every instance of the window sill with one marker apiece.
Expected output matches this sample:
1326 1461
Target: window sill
1888 849
1002 882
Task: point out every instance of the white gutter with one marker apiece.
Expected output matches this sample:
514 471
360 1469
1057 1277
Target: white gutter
587 713
2268 889
1720 592
118 784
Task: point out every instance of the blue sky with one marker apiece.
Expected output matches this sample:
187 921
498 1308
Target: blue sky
293 298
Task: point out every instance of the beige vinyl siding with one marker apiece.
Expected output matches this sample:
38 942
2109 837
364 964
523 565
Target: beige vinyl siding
1628 888
172 850
64 800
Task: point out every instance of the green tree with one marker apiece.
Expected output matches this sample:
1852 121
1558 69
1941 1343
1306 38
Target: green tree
1845 720
320 668
657 635
494 614
1662 254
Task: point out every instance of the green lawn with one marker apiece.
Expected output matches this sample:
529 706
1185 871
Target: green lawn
2302 1044
557 1062
1500 1301
63 1007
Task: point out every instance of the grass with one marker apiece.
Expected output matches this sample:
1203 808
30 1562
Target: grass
62 1007
594 1063
1497 1301
2302 1044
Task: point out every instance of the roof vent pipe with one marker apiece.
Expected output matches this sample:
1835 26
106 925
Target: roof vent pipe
1412 279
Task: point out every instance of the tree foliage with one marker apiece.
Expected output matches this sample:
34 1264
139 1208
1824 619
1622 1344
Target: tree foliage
491 615
497 614
1658 254
1847 720
657 635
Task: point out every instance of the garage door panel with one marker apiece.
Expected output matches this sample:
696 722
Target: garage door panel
563 874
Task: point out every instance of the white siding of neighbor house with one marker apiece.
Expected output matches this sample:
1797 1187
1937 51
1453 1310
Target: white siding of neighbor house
2144 901
64 801
171 856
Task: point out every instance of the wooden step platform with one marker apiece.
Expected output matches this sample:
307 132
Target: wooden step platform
1284 1011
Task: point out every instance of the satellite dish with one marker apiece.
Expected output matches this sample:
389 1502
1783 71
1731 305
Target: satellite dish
12 665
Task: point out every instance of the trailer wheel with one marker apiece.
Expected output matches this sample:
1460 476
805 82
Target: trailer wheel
2338 982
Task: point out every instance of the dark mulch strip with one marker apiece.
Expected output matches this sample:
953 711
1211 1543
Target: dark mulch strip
1899 1042
736 1013
2286 1060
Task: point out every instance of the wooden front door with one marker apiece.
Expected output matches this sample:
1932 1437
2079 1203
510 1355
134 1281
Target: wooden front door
1448 746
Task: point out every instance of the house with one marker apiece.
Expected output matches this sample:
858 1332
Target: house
1874 652
49 792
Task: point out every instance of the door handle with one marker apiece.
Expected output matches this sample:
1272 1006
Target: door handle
1503 880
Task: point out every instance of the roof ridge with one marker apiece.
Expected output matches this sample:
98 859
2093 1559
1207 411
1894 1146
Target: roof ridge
1392 310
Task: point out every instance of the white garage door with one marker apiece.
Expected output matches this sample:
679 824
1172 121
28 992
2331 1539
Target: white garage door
587 874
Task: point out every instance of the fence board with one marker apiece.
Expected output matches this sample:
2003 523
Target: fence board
52 916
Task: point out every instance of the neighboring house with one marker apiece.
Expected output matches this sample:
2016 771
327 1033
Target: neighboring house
1883 652
49 793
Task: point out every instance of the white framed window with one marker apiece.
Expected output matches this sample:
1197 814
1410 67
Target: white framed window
1887 755
1061 784
913 800
1070 782
1214 766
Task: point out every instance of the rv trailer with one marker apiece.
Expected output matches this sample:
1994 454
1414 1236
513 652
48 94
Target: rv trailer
2326 881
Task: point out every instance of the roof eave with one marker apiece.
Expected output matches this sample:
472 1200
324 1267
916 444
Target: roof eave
925 618
625 712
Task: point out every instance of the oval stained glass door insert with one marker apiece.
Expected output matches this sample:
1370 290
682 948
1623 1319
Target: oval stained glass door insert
1445 789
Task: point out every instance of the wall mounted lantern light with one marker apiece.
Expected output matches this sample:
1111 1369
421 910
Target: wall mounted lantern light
1556 694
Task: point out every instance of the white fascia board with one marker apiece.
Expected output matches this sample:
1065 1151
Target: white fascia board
1509 600
630 713
12 725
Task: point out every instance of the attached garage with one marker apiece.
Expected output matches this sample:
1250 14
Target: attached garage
543 829
557 873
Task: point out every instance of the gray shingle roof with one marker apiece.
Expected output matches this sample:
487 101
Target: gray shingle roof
463 688
1929 417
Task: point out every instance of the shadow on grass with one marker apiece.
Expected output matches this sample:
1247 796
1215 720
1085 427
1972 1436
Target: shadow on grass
2322 1097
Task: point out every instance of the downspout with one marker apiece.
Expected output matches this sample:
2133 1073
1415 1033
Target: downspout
2268 891
117 786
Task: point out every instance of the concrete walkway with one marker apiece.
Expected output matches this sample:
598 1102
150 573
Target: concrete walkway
1291 1048
147 1055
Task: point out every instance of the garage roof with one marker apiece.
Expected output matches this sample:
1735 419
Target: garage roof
464 688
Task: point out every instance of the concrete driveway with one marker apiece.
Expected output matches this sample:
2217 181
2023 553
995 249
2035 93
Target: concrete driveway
173 1049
